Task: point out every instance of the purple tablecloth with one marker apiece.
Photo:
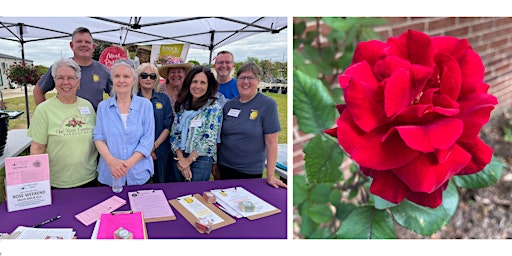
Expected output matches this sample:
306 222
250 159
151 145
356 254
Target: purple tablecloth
69 202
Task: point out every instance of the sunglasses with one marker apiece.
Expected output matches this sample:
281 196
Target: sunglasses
126 61
145 75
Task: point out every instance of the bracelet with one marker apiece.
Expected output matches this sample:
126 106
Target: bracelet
193 159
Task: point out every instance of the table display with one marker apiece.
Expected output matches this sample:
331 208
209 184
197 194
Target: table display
70 202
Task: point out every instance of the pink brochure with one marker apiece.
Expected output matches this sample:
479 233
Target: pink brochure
27 182
26 169
94 213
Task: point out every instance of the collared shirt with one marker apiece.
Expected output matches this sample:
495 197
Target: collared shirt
164 117
139 135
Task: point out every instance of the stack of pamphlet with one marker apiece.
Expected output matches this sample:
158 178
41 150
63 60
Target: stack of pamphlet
22 232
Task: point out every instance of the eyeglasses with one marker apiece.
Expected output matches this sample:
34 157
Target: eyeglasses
223 62
61 79
248 78
145 75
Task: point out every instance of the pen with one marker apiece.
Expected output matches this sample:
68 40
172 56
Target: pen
226 211
46 222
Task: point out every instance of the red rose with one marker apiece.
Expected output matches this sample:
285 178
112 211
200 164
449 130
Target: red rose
414 106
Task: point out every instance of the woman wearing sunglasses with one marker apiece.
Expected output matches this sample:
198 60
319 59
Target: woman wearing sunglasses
149 81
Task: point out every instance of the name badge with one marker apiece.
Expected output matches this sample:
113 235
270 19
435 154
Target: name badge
233 112
84 110
195 123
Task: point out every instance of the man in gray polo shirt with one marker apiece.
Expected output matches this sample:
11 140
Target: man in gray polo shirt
95 77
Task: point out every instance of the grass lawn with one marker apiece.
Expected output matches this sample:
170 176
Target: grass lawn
19 104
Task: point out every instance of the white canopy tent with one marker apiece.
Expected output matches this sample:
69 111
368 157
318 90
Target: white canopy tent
208 33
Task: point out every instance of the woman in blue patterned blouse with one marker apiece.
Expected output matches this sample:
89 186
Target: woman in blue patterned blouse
196 126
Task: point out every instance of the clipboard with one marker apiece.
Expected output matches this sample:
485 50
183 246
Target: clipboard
133 221
265 214
154 206
227 220
260 215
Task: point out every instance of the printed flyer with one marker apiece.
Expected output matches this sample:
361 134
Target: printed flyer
27 182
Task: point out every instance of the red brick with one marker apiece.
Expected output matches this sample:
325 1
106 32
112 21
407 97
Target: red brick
483 26
441 23
505 21
395 20
399 30
461 32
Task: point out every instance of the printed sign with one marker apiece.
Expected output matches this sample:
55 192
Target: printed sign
27 182
111 54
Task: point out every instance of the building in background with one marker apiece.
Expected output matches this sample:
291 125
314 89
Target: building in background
5 62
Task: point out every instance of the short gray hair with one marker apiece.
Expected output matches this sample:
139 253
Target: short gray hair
66 62
249 66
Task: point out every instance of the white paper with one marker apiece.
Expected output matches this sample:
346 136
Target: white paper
44 233
231 197
152 203
198 209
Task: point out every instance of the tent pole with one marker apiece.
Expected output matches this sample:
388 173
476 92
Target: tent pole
23 62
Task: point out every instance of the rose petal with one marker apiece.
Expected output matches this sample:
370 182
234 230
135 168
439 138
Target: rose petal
369 51
372 151
450 77
475 113
397 93
425 174
481 156
386 185
439 134
432 200
388 66
362 100
414 46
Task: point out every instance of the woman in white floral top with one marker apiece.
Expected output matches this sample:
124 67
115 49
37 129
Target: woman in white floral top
196 125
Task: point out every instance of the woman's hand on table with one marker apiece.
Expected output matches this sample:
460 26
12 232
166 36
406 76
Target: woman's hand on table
272 181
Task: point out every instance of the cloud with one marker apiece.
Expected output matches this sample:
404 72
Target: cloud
264 46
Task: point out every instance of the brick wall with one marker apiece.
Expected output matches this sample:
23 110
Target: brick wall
490 37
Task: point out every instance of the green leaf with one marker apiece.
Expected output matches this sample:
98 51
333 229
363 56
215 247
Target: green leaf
337 95
307 226
343 210
320 213
323 158
369 34
369 22
345 60
424 220
300 189
320 193
335 197
337 23
490 175
322 233
312 104
380 203
367 223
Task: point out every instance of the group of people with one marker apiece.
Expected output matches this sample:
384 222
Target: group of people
193 126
